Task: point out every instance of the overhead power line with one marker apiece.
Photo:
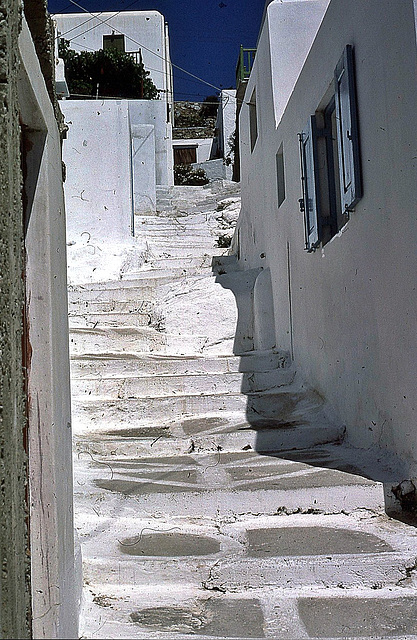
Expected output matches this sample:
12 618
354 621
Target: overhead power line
98 14
107 21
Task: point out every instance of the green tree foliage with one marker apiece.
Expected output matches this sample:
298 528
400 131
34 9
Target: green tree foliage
184 174
115 72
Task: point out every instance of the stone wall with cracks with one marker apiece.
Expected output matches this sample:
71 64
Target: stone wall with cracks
14 536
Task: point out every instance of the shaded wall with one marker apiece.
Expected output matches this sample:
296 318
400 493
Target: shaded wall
348 310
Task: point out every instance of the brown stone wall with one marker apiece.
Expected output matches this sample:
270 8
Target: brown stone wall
14 542
42 32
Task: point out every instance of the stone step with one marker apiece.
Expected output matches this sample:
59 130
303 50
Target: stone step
172 250
251 553
114 318
179 238
168 274
178 430
238 575
315 551
90 308
219 491
141 284
183 252
184 384
108 365
142 291
282 406
177 232
142 339
172 264
153 613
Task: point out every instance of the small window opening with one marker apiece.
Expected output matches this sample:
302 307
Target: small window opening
333 217
280 175
330 159
253 121
114 41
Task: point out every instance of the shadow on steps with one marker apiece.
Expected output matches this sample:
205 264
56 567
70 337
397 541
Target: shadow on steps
291 421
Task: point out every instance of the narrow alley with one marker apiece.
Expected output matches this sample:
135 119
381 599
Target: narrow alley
213 495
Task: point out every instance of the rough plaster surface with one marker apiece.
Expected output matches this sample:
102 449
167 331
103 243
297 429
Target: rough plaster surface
43 36
15 576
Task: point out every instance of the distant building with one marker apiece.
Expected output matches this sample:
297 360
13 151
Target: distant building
211 146
126 144
328 150
142 34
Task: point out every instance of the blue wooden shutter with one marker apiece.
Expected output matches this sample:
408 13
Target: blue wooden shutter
309 170
347 131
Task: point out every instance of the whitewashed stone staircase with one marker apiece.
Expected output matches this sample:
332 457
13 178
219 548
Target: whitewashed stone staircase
213 497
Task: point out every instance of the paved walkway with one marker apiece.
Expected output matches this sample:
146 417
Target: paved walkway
214 498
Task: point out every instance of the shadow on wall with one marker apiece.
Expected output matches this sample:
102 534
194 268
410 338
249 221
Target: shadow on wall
291 420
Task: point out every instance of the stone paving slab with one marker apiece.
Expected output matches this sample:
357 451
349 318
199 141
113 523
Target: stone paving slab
363 617
272 614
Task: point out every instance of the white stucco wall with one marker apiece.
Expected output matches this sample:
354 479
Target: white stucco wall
110 175
143 30
143 161
226 126
351 324
97 154
154 112
291 27
226 119
56 568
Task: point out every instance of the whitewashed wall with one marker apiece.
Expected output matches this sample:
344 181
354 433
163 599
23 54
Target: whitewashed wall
154 112
97 154
226 126
56 567
348 311
111 174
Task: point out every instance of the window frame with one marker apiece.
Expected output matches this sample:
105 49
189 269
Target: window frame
253 120
310 203
348 138
331 179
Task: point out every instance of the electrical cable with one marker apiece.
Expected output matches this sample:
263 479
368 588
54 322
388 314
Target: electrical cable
89 19
139 45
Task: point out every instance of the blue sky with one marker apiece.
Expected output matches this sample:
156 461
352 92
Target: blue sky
205 36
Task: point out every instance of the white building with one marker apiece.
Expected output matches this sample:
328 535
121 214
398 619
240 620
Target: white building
328 150
131 31
108 183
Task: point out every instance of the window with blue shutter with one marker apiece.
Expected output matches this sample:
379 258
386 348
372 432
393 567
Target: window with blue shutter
347 131
309 177
330 160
